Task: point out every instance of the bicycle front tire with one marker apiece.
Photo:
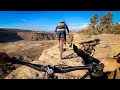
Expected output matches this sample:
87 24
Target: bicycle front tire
60 49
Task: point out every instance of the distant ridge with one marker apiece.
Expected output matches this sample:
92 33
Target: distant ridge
16 30
23 30
11 35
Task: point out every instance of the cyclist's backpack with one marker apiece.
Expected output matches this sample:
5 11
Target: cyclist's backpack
62 26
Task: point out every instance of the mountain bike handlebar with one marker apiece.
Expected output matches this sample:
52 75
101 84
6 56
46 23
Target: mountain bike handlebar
97 69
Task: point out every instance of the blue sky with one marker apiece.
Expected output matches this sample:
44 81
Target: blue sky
47 20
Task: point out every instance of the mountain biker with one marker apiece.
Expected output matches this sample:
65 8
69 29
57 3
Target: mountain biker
61 31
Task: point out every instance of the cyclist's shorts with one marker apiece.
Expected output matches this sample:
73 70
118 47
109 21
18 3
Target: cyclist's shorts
62 33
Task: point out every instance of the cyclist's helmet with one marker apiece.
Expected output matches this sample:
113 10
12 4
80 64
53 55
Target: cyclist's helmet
62 21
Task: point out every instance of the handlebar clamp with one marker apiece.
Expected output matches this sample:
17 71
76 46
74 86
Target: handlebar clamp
49 70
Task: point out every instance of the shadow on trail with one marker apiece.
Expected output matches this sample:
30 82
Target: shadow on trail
88 60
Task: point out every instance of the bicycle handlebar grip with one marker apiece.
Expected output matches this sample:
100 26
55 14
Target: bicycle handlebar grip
98 70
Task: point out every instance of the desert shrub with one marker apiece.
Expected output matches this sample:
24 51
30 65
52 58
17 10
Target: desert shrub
69 40
113 29
89 31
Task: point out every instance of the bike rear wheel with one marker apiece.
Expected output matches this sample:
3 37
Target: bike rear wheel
61 48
